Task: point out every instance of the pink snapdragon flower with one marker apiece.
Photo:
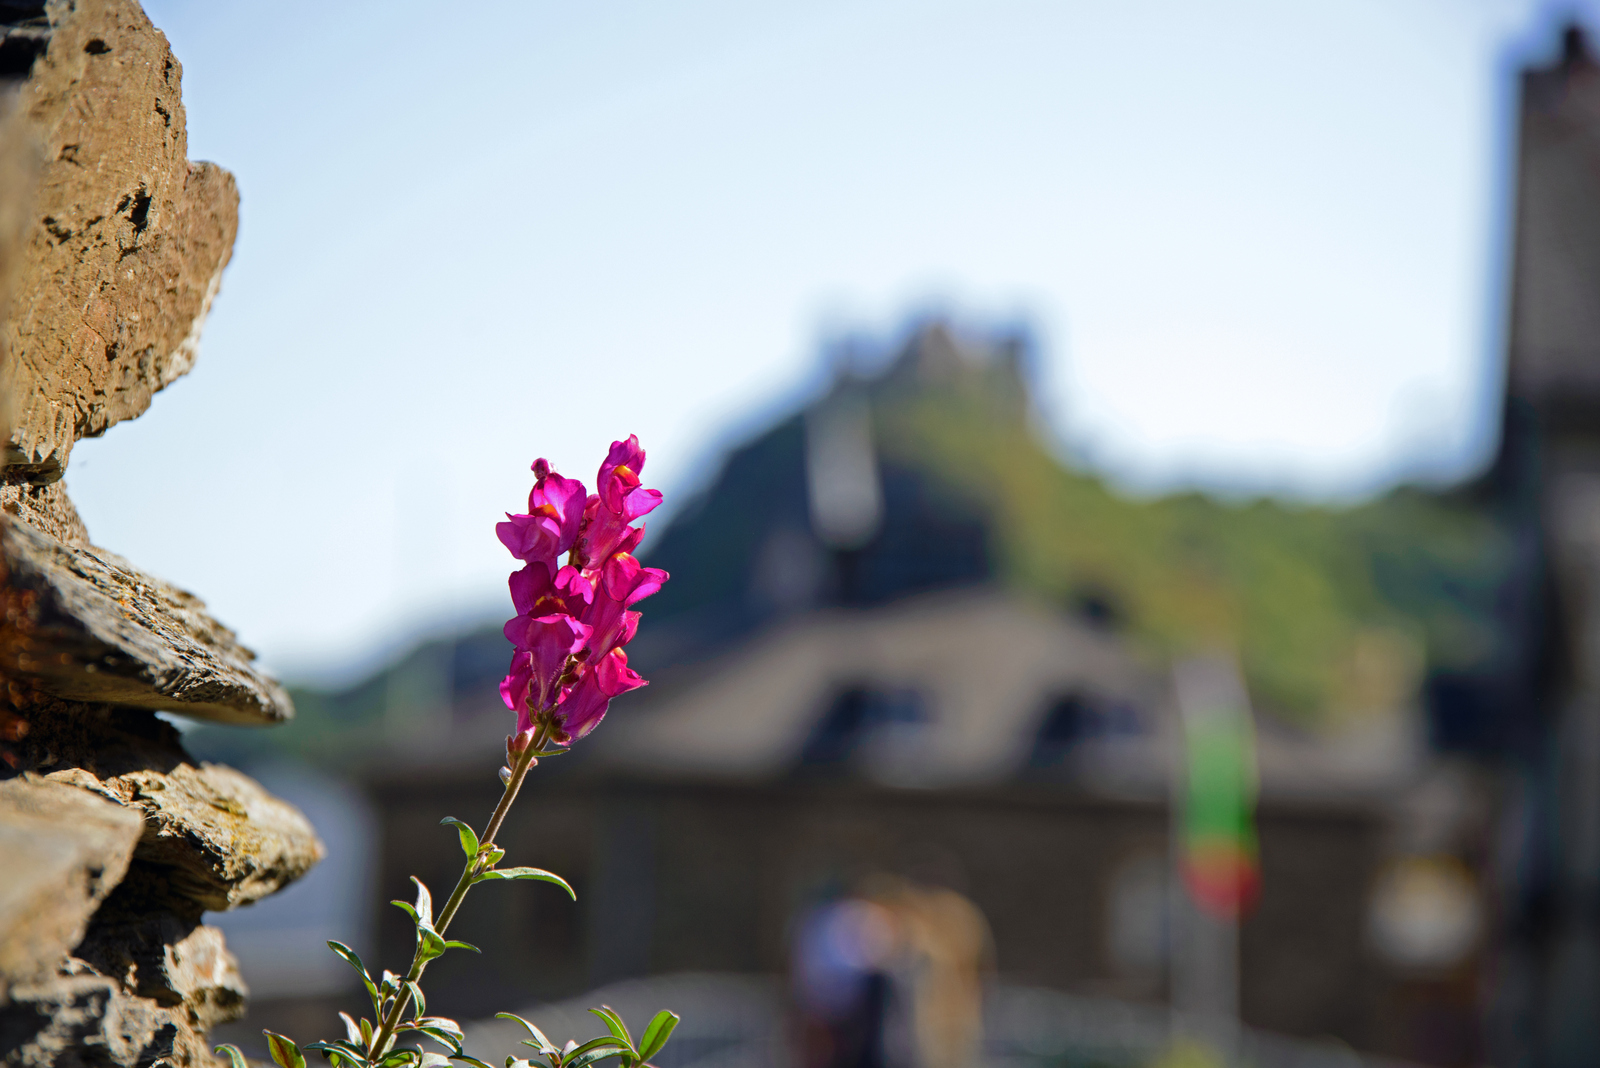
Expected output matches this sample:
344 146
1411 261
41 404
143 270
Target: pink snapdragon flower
585 703
623 583
607 514
555 511
573 619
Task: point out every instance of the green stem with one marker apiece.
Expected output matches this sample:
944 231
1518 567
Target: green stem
519 771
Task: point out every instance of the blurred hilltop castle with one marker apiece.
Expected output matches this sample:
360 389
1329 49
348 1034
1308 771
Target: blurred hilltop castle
903 636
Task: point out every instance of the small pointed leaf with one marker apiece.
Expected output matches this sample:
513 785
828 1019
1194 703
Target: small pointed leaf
656 1035
614 1024
430 943
283 1050
469 837
583 1060
475 1062
597 1043
340 1049
462 945
349 956
542 1045
424 902
416 997
235 1057
528 873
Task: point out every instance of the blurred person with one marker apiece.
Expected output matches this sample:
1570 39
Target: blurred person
892 978
944 949
842 953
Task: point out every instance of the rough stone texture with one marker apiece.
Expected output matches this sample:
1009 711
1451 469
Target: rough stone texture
84 1019
223 840
64 850
171 960
45 507
85 625
128 238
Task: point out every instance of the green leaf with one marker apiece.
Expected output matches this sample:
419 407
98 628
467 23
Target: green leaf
441 1029
528 873
352 1030
283 1050
596 1043
441 1036
340 1049
235 1057
656 1035
430 943
543 1045
417 998
444 1023
366 1033
583 1060
614 1024
349 956
469 837
492 855
462 945
424 903
475 1062
434 1060
409 910
399 1057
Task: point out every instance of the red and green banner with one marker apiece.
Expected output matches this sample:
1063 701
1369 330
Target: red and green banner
1220 856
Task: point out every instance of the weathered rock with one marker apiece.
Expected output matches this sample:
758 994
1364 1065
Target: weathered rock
45 507
64 851
128 238
173 962
84 1019
83 624
220 839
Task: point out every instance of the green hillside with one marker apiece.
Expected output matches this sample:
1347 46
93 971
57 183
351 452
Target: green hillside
1335 612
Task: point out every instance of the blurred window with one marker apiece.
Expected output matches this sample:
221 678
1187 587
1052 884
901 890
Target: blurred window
880 731
1080 716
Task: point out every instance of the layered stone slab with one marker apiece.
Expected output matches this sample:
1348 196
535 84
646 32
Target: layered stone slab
217 837
64 851
85 624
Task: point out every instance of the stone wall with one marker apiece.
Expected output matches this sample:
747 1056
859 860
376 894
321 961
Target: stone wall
115 841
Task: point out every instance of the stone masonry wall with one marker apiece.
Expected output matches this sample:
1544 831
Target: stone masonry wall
114 840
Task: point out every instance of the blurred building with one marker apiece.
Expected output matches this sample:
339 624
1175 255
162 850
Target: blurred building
905 636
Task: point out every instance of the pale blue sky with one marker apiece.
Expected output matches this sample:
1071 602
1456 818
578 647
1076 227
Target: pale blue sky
1258 244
